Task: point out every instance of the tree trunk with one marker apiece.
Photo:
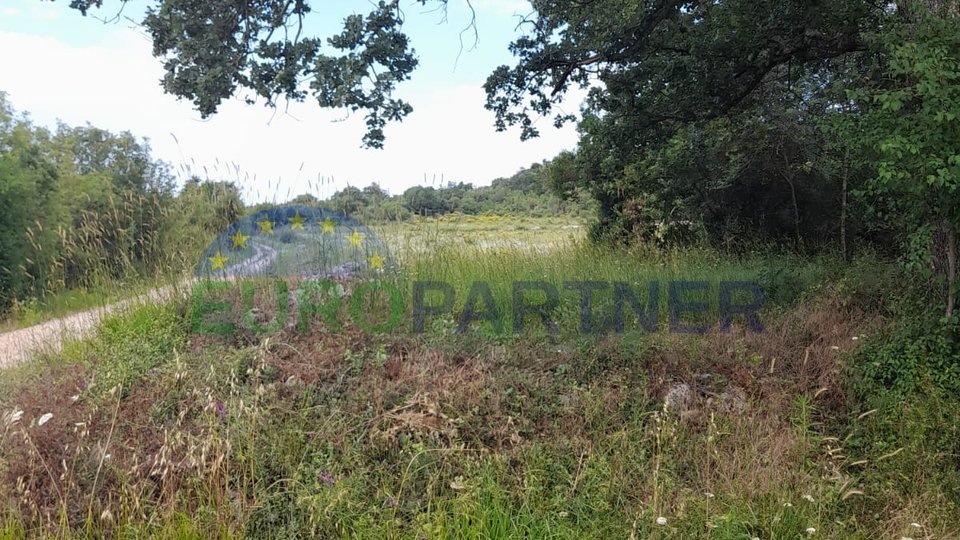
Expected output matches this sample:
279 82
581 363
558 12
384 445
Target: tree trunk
951 268
843 206
796 207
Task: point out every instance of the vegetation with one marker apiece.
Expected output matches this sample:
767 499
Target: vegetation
808 147
526 193
158 432
90 212
726 122
86 209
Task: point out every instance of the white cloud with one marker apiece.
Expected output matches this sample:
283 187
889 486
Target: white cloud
116 87
9 12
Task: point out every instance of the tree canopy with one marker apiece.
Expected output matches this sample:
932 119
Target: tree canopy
674 59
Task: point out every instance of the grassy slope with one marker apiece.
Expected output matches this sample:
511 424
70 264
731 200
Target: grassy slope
482 435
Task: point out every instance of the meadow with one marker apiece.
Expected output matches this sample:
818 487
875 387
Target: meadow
817 427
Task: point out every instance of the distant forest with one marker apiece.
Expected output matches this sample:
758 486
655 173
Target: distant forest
526 193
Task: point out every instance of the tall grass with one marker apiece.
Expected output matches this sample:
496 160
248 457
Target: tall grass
351 435
131 245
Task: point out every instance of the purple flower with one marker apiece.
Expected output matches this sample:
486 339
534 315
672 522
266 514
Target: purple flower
221 412
391 502
326 479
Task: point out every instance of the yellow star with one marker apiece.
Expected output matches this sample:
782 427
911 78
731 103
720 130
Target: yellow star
218 261
239 240
376 261
356 239
296 222
328 226
266 226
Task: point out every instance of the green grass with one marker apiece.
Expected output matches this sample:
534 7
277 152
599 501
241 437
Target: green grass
476 436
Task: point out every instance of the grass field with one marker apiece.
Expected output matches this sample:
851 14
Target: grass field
154 430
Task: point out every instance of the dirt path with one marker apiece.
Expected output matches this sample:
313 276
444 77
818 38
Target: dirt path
20 345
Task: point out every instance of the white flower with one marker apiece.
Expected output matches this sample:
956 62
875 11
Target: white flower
855 338
787 505
905 538
834 347
755 538
916 525
661 520
44 419
75 398
810 531
809 498
709 495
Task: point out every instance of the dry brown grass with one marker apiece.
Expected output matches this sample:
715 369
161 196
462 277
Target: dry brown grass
735 437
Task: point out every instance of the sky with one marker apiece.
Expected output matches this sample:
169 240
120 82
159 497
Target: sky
60 66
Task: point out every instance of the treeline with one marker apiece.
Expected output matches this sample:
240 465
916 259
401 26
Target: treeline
807 125
80 206
525 193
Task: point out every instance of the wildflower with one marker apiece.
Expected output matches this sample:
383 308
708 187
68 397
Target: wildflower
905 538
74 398
709 495
44 419
834 347
810 531
809 498
855 338
327 479
391 502
916 525
661 520
787 505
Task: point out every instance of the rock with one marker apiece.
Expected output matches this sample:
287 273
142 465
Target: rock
679 399
732 400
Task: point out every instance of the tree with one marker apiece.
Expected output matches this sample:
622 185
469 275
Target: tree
349 201
423 201
78 205
912 117
28 179
215 48
650 55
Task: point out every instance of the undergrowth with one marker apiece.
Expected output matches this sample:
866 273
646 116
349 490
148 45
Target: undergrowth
838 421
